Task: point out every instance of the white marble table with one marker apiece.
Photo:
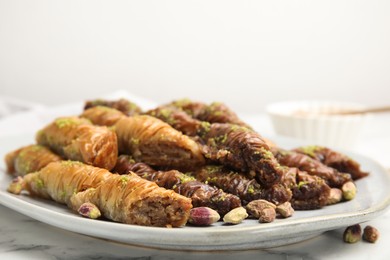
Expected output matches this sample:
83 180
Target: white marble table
22 237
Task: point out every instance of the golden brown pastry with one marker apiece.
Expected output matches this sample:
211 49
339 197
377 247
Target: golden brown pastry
177 118
101 115
149 139
123 198
77 139
29 159
60 180
133 200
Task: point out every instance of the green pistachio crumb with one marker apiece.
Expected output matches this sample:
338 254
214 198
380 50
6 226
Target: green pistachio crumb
69 163
251 189
185 178
301 183
64 122
310 150
124 179
134 141
39 183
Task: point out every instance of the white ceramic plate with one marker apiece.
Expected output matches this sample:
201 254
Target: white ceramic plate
372 199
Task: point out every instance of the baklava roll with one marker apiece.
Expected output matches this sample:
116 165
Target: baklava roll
201 194
334 159
149 140
29 159
60 180
77 139
241 149
332 177
125 106
240 185
132 200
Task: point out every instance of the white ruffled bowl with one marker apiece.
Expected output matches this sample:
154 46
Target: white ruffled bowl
318 122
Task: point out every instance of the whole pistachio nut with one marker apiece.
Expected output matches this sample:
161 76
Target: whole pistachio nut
256 206
267 215
349 190
285 209
16 186
203 216
370 234
352 234
89 210
235 216
335 196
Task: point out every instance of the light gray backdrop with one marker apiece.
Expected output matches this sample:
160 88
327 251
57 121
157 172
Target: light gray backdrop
245 53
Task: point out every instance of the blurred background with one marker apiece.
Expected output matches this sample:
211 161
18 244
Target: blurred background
244 53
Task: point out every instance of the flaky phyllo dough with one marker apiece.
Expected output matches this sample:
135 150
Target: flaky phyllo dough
77 139
29 159
149 139
177 156
123 198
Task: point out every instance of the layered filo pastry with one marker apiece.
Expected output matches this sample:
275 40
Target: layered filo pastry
166 166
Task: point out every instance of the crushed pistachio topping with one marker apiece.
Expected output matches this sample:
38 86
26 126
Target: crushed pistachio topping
213 109
284 152
98 102
216 103
239 128
213 168
63 194
35 148
107 109
212 179
69 163
39 183
235 127
221 139
265 153
220 198
124 179
134 141
182 102
301 183
251 189
205 127
130 159
25 166
64 122
166 113
310 150
185 178
217 113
